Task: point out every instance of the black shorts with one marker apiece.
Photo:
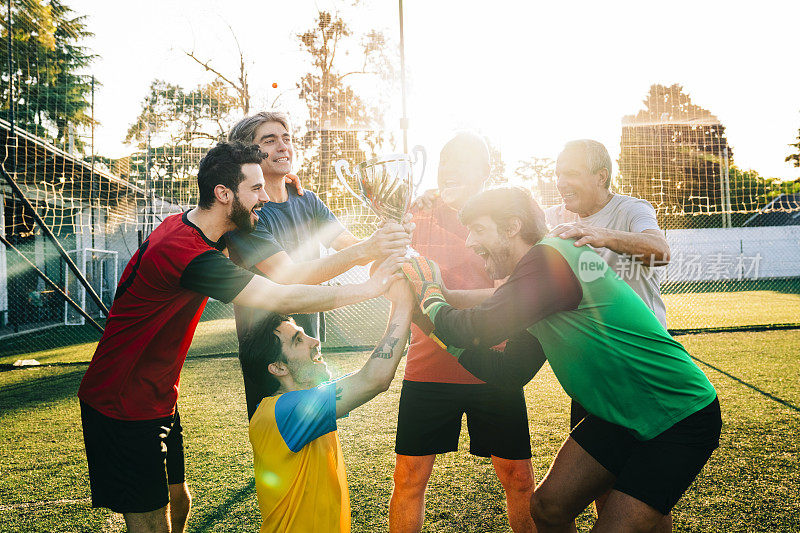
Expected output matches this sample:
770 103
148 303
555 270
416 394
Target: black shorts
656 471
429 420
132 463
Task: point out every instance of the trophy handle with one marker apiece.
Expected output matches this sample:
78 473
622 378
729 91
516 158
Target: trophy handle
417 150
343 166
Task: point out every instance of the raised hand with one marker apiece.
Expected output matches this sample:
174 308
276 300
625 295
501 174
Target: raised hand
382 277
391 238
426 279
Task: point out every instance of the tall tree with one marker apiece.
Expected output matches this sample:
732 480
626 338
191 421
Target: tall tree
340 124
50 94
673 153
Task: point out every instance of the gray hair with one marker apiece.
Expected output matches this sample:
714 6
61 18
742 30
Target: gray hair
245 130
597 157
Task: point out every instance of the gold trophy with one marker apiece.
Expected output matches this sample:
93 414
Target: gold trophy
385 184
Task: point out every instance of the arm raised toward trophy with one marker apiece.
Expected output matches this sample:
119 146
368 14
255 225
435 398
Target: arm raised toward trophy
377 373
265 294
392 238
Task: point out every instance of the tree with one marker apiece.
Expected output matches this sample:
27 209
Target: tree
239 86
674 153
540 174
340 123
497 168
173 130
795 157
49 96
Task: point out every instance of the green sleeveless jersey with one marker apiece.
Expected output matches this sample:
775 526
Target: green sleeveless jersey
614 357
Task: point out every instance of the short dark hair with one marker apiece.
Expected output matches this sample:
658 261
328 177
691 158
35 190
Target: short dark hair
259 347
504 203
222 165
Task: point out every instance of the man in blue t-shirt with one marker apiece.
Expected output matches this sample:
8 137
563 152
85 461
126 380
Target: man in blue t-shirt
285 245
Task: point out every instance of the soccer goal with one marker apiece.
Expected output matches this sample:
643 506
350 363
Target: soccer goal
100 269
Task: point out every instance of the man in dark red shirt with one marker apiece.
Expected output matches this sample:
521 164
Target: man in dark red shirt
437 391
128 396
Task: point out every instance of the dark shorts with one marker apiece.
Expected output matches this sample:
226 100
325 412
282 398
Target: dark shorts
429 420
656 471
132 463
576 414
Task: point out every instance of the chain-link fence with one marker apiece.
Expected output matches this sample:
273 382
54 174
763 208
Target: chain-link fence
71 218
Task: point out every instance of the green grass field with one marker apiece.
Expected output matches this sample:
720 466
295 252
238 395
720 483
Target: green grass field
750 484
218 335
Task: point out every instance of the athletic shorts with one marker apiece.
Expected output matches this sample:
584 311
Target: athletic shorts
429 420
656 471
576 414
132 463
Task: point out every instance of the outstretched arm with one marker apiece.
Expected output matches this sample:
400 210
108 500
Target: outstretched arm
515 366
542 284
389 239
264 294
377 373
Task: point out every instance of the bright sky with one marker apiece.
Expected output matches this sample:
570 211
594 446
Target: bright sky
530 75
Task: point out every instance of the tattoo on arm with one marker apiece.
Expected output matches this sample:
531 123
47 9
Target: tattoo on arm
384 349
339 390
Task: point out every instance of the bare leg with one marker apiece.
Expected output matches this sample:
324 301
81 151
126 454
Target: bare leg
517 479
625 514
664 526
407 506
150 522
573 481
180 501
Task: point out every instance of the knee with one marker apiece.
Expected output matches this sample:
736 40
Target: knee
548 511
409 480
516 476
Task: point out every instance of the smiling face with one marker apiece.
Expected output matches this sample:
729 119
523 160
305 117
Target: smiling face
274 140
248 198
489 242
583 192
302 353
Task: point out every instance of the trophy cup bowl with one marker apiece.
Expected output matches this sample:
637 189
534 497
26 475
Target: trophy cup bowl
385 184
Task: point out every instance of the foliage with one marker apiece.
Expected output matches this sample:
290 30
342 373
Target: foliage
173 130
50 94
794 158
540 174
340 124
497 167
674 153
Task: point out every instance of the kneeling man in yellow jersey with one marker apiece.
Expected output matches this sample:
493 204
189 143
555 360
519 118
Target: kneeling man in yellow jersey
293 407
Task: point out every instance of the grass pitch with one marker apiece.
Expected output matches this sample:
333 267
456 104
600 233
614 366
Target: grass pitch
749 484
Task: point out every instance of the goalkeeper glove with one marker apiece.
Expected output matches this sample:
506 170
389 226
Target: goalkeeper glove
422 273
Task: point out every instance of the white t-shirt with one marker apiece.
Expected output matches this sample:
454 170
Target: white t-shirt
623 213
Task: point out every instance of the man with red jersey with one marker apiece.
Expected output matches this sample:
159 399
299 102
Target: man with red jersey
436 391
128 397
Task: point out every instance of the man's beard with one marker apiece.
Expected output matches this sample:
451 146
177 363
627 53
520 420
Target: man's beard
498 258
240 216
313 375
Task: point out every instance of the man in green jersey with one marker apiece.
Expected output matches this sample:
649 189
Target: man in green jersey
654 418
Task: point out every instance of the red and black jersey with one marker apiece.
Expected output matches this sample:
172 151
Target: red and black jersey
135 371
